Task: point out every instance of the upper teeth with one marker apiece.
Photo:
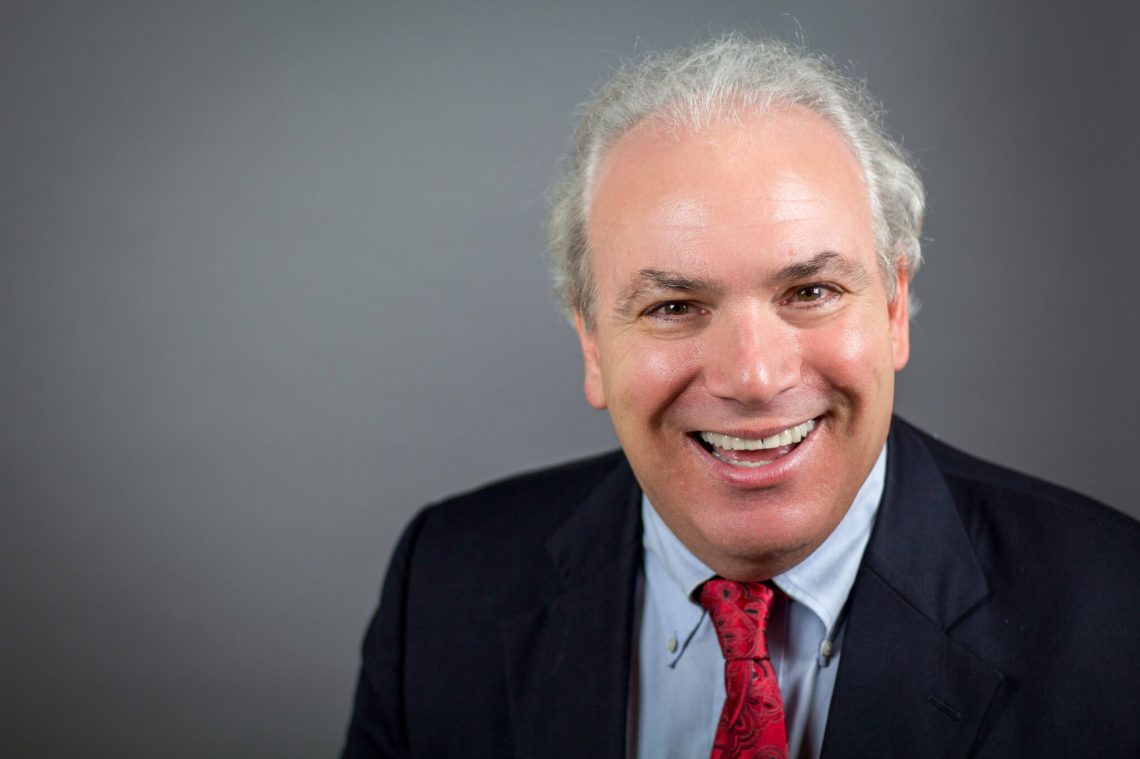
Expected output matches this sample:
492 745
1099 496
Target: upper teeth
787 437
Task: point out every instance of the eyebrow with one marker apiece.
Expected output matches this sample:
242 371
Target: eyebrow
649 281
828 262
655 281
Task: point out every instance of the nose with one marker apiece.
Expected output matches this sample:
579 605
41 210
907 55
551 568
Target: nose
752 356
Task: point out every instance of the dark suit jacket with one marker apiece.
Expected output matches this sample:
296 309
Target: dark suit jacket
994 615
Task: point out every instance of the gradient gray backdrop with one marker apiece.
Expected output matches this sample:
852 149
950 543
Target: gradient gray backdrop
271 278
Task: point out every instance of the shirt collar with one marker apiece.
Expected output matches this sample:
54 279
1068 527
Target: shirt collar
672 574
821 582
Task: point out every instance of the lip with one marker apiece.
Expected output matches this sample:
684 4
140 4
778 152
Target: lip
752 478
758 433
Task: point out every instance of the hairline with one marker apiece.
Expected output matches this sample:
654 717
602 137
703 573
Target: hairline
786 77
731 112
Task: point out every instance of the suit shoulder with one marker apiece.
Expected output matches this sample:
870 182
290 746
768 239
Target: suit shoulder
568 481
1053 516
1056 585
528 503
968 469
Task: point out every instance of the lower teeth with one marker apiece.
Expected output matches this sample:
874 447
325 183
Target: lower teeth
748 464
716 452
727 456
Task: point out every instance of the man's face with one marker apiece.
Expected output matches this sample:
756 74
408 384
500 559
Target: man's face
739 298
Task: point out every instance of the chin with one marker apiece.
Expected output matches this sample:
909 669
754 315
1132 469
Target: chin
754 538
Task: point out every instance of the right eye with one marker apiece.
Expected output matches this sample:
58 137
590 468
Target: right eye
672 309
674 313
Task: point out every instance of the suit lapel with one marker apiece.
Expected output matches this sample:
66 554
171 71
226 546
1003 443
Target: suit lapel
904 686
568 661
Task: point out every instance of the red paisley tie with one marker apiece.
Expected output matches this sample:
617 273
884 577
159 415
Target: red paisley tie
752 722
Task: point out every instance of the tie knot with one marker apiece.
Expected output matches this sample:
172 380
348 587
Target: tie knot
739 612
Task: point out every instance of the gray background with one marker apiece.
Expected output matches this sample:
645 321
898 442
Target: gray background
271 278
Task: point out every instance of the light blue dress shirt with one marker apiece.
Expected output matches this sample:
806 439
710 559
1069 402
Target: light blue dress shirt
678 685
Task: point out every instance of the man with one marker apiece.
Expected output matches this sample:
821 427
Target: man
772 565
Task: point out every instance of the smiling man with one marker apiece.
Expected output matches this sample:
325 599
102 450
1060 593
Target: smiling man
738 305
773 565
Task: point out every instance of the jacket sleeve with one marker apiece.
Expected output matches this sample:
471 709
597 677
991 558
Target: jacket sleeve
378 724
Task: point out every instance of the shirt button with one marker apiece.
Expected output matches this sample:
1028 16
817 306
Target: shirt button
825 648
672 645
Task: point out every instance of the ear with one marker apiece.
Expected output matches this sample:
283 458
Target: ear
595 389
898 314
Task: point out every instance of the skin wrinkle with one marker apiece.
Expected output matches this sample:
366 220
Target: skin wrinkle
684 215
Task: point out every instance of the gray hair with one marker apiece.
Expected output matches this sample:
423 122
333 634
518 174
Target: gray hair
722 78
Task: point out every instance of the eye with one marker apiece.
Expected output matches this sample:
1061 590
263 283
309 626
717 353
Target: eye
674 309
812 295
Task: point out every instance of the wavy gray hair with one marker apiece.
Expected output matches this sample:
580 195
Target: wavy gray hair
692 87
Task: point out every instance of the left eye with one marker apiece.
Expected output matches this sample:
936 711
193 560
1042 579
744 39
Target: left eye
810 294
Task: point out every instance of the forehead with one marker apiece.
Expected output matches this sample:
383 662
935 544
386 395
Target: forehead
783 177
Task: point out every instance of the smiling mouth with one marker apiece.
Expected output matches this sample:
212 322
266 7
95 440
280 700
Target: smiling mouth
754 452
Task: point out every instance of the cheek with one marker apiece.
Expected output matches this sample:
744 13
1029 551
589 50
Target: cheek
855 356
651 376
853 348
